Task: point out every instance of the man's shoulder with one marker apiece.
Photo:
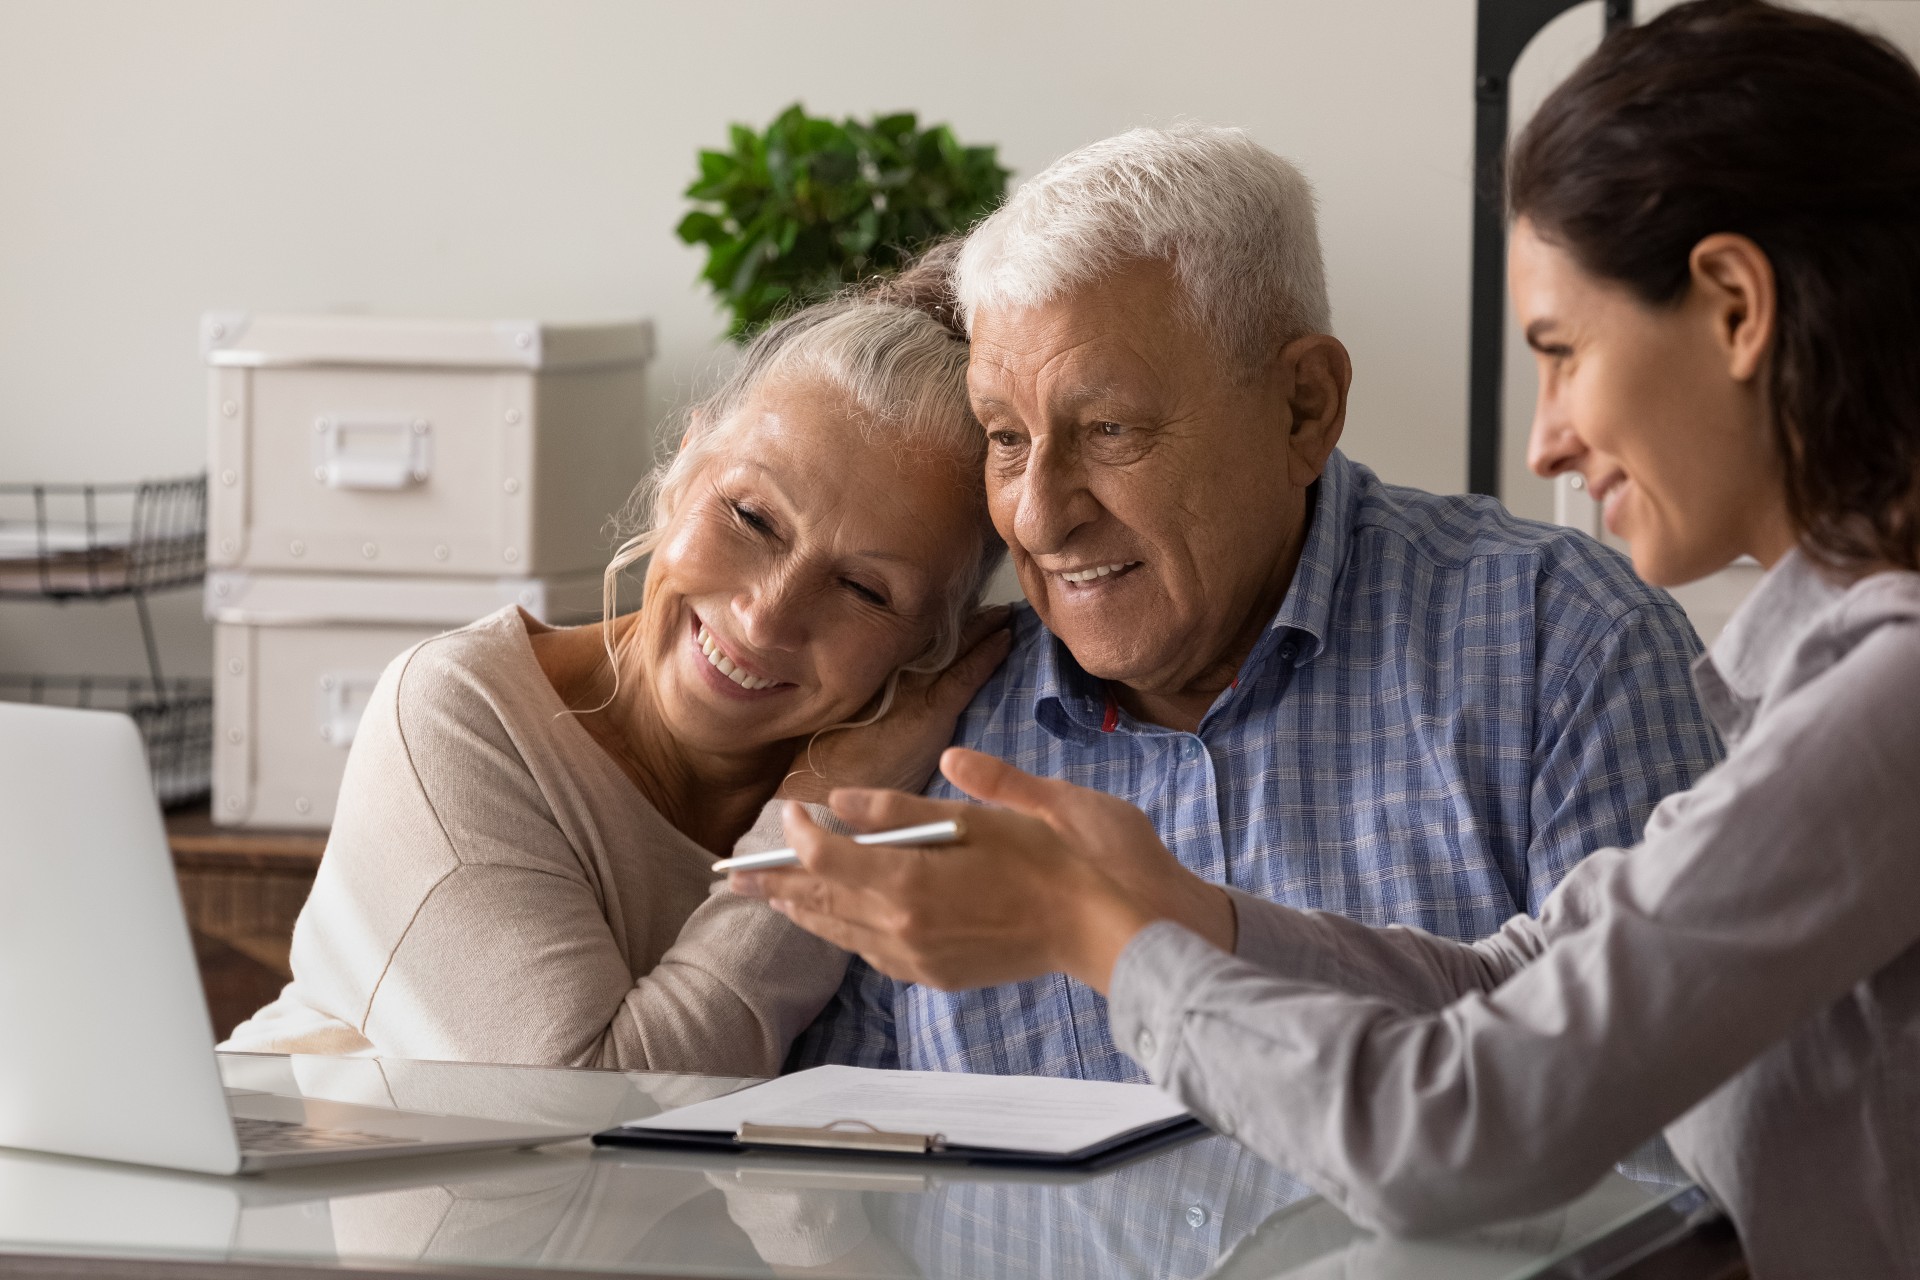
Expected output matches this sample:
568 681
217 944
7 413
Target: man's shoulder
1472 536
1007 698
1027 658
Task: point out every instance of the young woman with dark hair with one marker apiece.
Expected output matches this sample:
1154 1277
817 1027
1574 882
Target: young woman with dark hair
1716 258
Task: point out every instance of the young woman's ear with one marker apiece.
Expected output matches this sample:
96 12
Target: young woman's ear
1733 280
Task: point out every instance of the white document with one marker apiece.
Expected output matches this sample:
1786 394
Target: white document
1004 1113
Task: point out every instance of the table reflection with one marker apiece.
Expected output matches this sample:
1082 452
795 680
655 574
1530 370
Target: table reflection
1205 1208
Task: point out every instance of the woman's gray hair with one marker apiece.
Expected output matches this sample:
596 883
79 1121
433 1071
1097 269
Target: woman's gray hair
905 373
1235 221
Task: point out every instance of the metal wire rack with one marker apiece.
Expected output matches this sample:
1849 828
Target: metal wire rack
175 720
66 542
102 541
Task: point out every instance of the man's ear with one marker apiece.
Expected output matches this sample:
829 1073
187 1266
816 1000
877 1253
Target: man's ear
1733 280
1318 372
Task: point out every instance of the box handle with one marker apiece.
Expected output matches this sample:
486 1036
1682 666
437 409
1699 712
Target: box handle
372 451
343 700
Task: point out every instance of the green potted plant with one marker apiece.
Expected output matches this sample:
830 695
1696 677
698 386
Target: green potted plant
796 213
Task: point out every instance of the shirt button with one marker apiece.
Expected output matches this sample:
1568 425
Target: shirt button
1287 651
1196 1216
1190 749
1144 1043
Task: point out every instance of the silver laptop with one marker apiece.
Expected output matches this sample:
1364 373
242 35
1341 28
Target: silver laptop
108 1049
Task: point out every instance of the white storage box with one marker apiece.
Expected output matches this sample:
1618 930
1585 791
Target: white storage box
350 443
296 657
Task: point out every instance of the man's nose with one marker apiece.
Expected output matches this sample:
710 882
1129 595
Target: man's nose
1053 501
1552 446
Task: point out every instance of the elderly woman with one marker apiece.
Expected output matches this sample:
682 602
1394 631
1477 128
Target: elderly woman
1716 260
520 867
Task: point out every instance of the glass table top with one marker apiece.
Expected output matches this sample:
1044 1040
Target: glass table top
1207 1208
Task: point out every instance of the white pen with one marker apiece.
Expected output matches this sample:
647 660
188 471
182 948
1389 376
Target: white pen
926 833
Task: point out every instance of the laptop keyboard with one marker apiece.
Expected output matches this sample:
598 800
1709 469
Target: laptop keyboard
277 1137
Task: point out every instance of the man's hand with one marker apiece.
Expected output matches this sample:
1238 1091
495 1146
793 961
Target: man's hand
899 749
1057 878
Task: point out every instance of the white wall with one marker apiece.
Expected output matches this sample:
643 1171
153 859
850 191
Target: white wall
515 158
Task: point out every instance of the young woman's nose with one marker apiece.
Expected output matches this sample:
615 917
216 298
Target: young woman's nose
1552 446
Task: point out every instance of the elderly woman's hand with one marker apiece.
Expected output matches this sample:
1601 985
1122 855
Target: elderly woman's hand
898 750
1057 877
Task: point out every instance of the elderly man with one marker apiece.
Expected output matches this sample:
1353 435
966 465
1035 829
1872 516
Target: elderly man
1321 689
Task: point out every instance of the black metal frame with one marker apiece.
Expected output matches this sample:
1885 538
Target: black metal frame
1502 31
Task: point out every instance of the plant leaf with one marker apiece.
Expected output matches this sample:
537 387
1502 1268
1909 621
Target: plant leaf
796 211
700 227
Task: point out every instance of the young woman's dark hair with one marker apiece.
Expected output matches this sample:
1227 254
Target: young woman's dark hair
1802 134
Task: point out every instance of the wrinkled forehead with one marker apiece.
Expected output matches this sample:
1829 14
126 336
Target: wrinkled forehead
1124 334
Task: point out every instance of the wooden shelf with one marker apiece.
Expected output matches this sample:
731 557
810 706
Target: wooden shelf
197 842
242 891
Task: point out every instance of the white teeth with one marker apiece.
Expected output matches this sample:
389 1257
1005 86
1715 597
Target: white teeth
1101 571
720 662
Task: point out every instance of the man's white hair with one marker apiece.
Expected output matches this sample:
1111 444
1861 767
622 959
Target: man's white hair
1235 221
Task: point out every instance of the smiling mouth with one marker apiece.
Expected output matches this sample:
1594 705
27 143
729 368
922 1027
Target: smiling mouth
717 659
1094 573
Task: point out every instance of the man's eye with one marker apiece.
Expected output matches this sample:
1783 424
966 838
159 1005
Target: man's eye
751 518
1109 429
1005 439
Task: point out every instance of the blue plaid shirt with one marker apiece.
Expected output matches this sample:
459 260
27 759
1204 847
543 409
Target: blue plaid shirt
1450 708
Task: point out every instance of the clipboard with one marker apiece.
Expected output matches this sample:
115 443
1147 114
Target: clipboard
1030 1122
855 1138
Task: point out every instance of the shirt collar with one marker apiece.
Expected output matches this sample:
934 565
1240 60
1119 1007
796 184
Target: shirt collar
1066 698
1307 608
1733 676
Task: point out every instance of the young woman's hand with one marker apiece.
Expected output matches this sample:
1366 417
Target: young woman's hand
1057 877
898 751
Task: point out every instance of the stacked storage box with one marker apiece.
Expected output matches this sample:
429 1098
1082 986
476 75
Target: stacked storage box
377 481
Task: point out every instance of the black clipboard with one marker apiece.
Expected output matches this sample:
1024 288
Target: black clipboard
914 1148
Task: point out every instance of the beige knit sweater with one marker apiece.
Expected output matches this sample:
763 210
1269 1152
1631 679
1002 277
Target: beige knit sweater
495 889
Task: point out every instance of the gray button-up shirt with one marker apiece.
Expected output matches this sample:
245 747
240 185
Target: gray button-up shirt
1748 977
